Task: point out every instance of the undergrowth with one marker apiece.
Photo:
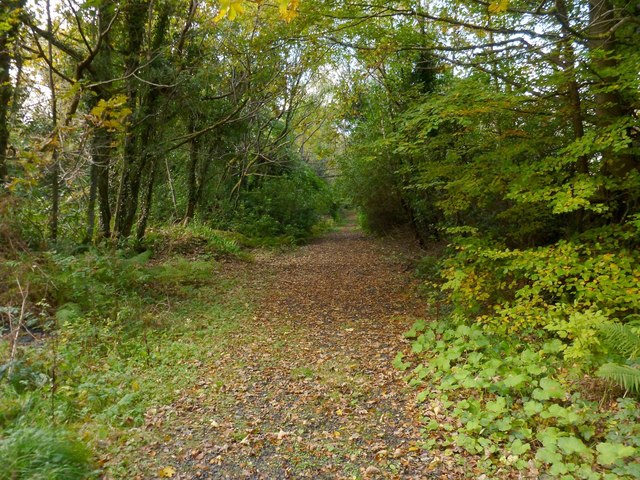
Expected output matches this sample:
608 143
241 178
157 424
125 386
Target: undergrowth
43 453
517 405
509 371
107 336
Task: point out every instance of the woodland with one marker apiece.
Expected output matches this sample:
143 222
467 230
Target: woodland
412 226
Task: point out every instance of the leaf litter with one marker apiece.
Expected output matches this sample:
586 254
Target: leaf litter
306 389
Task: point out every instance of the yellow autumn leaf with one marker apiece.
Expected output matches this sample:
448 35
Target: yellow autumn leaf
112 124
230 9
225 6
288 9
99 108
221 14
498 6
235 9
167 472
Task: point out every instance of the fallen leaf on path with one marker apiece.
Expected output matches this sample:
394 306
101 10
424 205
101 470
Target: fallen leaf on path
167 472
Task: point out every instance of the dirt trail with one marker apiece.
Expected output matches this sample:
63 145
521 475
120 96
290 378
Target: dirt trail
308 390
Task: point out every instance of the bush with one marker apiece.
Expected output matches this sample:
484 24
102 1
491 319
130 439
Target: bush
372 187
568 288
43 454
287 205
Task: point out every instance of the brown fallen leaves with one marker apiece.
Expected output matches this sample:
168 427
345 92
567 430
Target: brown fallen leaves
306 389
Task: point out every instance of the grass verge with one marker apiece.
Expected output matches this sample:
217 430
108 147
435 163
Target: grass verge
128 335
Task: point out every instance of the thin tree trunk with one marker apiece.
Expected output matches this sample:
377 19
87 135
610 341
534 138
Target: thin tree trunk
574 101
55 167
102 171
205 165
194 153
99 183
5 98
91 207
171 189
147 202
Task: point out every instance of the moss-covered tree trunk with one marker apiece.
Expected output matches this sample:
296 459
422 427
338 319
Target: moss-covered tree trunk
610 105
9 18
139 156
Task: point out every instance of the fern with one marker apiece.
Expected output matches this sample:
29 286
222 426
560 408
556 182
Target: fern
622 339
626 342
624 375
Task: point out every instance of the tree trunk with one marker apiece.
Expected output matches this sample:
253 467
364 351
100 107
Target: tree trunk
610 106
5 98
102 171
91 207
147 202
101 142
192 187
568 64
205 166
137 151
6 90
99 183
55 167
126 201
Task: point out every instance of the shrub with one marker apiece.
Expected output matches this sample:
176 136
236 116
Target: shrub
624 341
194 238
287 205
568 288
372 186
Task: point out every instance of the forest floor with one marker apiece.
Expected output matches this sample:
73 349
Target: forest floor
304 386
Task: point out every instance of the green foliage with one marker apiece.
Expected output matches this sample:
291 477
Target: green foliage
369 169
106 359
428 267
194 238
90 286
626 376
624 341
284 206
511 404
569 288
43 453
622 338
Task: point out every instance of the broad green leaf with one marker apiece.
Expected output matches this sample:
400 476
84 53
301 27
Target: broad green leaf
497 406
518 447
549 389
513 381
532 408
610 452
548 455
571 445
549 436
398 363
